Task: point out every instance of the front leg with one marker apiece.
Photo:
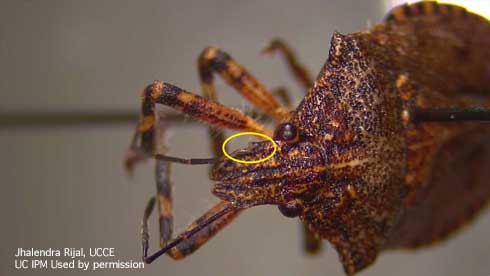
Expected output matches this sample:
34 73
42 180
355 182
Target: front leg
200 108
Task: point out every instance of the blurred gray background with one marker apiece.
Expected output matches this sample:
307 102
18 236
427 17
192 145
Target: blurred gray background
65 187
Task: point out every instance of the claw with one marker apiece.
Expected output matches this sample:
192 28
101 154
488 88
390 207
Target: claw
133 156
273 46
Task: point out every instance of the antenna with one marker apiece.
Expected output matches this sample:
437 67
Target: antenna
184 236
450 114
191 161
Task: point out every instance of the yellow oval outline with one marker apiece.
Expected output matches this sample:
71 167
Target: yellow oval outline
223 147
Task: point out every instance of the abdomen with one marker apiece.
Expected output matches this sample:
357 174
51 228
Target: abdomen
455 190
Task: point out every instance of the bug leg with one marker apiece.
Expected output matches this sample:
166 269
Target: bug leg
283 94
196 234
143 144
145 237
164 196
134 154
198 107
213 60
311 244
298 70
164 184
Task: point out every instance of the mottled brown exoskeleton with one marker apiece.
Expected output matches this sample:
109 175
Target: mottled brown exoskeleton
367 160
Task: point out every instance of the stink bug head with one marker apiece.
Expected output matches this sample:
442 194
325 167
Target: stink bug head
291 175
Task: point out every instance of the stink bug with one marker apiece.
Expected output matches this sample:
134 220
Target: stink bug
367 160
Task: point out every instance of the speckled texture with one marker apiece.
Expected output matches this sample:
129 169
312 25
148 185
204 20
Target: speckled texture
354 116
361 174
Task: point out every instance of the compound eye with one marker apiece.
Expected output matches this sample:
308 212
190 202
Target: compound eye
286 132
